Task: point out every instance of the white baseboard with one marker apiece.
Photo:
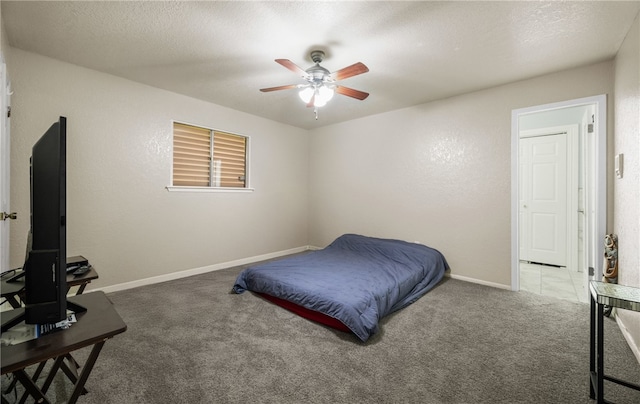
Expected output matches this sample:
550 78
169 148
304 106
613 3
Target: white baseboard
197 271
215 267
478 281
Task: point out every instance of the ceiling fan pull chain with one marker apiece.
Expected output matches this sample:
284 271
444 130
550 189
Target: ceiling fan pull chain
315 111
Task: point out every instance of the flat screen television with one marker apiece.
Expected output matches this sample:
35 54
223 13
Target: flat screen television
45 290
45 261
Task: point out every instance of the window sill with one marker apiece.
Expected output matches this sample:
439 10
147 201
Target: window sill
207 189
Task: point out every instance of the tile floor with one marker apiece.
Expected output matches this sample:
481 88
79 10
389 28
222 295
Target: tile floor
553 281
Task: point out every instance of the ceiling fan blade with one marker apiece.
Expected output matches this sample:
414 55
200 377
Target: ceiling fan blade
350 92
293 67
349 71
287 87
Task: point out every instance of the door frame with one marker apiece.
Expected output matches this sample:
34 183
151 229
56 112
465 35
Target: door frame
5 155
600 185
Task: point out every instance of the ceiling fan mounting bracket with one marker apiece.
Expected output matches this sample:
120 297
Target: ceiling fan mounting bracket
317 56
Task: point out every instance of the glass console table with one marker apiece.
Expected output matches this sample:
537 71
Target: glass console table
612 295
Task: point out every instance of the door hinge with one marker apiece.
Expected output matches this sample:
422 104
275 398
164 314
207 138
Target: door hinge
8 112
590 128
5 216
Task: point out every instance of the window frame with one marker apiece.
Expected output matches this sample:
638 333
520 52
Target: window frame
186 188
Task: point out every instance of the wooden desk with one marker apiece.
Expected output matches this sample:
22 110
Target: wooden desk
12 290
613 295
93 328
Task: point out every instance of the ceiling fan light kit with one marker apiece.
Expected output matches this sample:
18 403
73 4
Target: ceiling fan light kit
321 86
321 95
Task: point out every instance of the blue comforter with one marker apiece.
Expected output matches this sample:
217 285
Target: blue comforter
356 279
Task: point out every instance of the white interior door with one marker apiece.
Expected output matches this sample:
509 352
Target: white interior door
4 165
543 199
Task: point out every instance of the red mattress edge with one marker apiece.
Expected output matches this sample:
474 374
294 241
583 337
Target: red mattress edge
308 313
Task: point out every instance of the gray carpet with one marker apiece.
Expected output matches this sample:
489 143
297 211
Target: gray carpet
192 341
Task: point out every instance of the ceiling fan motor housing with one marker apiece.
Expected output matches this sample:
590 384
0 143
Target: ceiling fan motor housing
317 73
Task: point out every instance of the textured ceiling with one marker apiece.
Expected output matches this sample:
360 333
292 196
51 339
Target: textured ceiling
224 52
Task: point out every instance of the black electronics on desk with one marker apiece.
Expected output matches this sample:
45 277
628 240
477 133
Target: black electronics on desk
78 260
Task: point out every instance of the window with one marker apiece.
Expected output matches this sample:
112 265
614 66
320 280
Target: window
207 158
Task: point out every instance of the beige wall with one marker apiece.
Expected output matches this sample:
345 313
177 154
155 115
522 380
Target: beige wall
627 189
120 216
438 173
4 43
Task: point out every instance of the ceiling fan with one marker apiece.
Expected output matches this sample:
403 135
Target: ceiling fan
321 83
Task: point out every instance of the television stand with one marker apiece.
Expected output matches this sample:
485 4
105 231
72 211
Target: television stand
18 315
100 323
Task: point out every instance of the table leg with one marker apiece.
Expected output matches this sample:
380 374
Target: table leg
13 302
81 289
31 387
11 386
86 370
72 372
72 361
592 349
35 377
52 373
600 353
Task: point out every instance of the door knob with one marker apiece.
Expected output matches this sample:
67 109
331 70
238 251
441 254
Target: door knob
5 215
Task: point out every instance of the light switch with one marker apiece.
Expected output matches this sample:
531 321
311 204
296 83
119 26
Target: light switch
619 164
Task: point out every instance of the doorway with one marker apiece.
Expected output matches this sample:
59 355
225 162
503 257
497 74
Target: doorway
584 122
